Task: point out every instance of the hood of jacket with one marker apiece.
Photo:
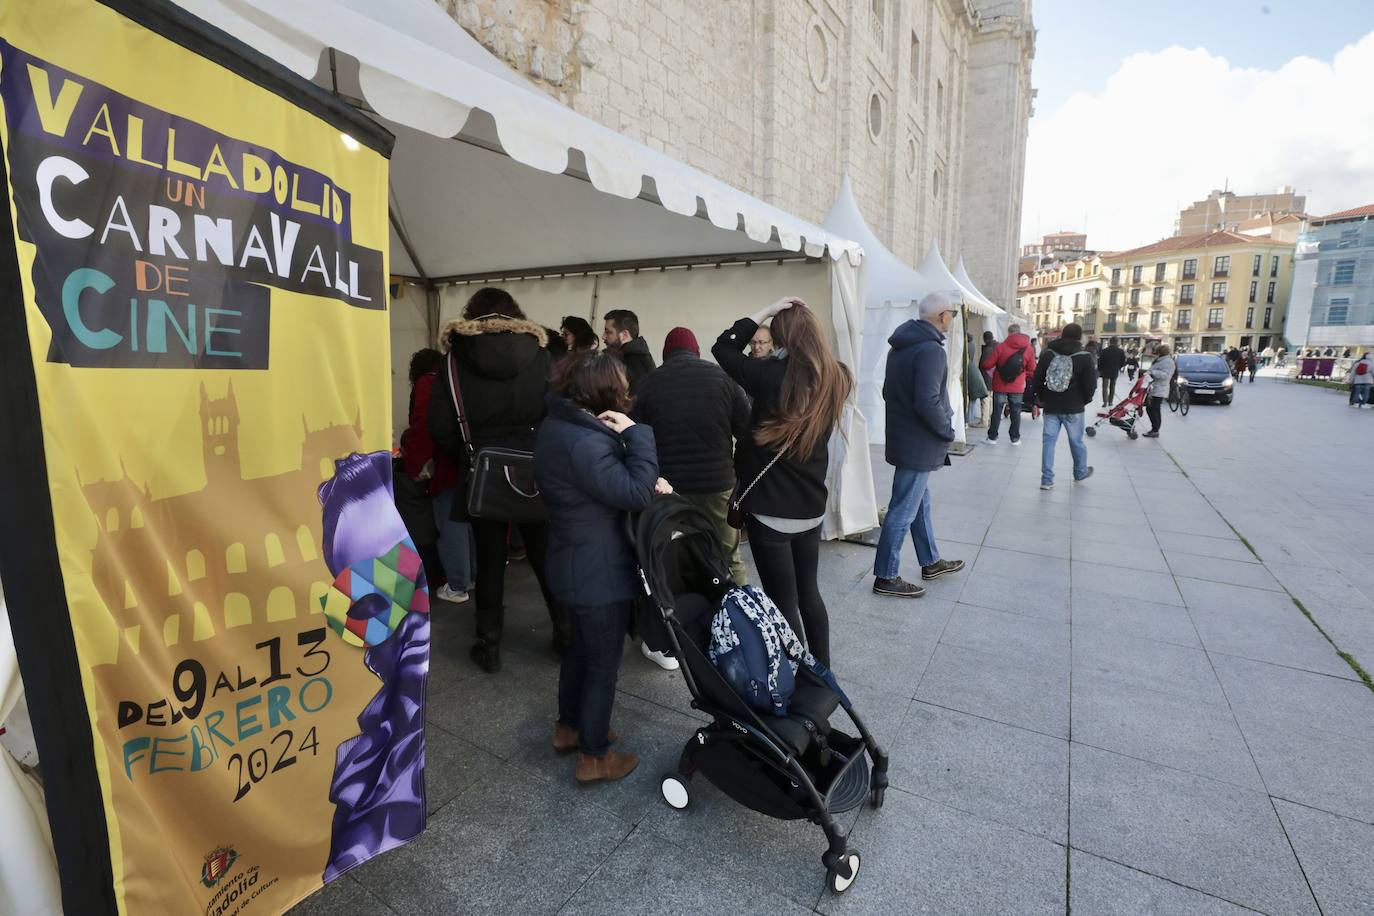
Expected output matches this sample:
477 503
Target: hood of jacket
1017 341
914 331
494 347
1066 347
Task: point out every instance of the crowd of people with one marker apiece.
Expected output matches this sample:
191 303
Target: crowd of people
609 429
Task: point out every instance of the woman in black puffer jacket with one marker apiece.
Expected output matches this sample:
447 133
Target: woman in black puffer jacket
503 364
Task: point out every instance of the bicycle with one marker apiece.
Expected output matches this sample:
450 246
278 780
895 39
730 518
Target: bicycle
1179 399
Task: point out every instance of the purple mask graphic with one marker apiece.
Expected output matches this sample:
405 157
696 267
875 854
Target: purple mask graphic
378 786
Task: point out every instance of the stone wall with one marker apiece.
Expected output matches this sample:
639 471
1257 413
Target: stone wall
782 98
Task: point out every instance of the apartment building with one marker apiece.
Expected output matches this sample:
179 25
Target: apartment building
1205 292
1227 211
1063 291
1333 285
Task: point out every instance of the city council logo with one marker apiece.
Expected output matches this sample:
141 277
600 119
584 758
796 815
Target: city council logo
217 864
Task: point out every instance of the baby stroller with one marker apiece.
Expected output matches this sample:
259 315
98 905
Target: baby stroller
789 767
1125 413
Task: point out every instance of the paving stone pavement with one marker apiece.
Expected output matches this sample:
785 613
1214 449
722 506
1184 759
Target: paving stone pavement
1118 707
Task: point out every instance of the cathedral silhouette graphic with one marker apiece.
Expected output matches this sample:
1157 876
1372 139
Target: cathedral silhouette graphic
185 567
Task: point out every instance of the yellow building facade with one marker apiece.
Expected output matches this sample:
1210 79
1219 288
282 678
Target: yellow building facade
1199 293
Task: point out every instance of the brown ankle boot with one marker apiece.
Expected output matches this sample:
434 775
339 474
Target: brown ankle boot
566 738
611 767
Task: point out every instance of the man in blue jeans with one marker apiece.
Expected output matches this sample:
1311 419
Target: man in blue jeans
919 431
1065 381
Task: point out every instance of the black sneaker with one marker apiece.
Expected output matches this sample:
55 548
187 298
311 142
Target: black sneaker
897 588
941 567
1085 476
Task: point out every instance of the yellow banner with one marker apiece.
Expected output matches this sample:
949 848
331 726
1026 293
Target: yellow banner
202 275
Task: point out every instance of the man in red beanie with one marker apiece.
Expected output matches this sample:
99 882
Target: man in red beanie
696 411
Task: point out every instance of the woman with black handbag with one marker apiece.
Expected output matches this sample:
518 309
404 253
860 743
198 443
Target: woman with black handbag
594 466
492 398
781 466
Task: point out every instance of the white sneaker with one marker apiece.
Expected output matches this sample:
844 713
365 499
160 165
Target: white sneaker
1016 442
989 441
666 662
447 592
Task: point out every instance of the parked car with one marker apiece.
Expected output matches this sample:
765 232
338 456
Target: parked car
1207 376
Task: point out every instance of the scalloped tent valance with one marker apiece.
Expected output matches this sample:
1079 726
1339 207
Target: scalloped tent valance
416 67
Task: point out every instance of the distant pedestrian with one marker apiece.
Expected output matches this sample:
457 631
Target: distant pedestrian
1252 364
1361 377
918 437
1065 382
1162 372
1132 365
1110 362
621 336
1011 364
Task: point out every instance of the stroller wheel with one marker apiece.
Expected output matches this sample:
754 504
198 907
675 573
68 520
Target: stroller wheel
1091 431
838 882
1133 435
675 792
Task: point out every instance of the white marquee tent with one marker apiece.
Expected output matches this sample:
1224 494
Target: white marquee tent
495 182
894 288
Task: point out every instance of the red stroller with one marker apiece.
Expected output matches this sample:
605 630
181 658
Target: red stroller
1126 412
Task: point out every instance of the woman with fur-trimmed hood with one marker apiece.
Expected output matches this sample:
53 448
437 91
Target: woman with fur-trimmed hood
503 365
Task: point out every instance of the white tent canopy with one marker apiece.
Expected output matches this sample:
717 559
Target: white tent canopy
415 66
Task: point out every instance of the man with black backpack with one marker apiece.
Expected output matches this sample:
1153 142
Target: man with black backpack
1065 381
1010 363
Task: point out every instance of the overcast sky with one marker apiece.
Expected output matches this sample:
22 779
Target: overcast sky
1146 107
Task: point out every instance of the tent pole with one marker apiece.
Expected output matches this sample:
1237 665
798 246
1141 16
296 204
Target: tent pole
410 249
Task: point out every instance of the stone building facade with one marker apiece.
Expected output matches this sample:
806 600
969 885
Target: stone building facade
924 103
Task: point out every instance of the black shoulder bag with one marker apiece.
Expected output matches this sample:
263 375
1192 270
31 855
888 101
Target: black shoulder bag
501 486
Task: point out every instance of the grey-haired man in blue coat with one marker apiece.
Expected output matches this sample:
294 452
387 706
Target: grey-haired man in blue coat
919 431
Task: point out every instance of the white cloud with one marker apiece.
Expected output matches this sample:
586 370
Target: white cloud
1171 126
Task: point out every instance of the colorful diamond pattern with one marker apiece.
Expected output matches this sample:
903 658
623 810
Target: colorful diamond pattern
398 577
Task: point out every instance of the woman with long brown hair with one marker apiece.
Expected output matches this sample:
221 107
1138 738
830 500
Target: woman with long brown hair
781 466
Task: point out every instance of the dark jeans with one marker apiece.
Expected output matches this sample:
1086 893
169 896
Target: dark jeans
787 573
586 679
1108 390
489 539
1152 409
998 400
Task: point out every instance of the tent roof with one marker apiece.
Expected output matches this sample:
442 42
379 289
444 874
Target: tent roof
890 279
427 78
934 267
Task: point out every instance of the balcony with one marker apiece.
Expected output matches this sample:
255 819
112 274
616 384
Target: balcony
1183 326
1217 300
1188 301
1221 274
1214 325
1190 274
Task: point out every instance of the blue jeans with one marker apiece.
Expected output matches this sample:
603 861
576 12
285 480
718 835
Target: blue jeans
1361 393
1072 424
455 543
998 400
587 676
909 509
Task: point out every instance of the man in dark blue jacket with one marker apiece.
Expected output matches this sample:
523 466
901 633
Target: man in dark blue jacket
919 432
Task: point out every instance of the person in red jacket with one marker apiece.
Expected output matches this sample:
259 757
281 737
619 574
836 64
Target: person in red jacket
1010 363
422 461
